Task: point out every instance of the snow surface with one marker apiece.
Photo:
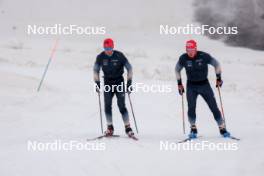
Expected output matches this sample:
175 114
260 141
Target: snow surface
67 109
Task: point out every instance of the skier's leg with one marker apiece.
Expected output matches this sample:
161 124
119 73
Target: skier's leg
191 99
122 106
208 95
108 96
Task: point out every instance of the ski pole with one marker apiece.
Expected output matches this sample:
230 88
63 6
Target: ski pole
183 117
132 112
101 119
47 66
221 103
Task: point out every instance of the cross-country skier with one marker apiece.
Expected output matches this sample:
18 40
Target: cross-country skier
196 67
112 62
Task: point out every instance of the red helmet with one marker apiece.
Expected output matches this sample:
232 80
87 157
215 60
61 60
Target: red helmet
108 43
191 44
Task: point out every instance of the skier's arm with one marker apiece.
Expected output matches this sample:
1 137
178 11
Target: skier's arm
216 65
129 70
128 67
218 71
178 69
96 70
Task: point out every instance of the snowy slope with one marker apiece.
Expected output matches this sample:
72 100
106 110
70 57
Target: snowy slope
67 109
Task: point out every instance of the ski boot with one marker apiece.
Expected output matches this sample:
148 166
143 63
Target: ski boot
193 133
224 132
129 131
109 131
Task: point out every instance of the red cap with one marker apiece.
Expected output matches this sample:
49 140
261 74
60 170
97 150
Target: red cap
108 43
191 44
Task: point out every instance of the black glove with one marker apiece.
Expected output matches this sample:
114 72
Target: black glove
219 81
180 87
129 86
97 86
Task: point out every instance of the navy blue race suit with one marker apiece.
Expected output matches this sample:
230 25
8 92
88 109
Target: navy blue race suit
197 83
113 69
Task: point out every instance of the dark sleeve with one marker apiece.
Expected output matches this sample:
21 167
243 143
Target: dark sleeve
178 68
127 65
96 68
212 61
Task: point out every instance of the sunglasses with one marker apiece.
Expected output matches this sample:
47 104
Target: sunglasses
191 49
108 49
